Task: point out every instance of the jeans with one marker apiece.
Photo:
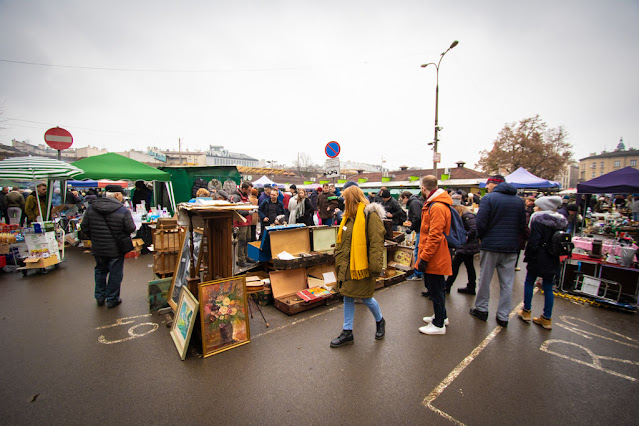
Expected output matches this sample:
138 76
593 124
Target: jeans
327 222
113 268
549 296
469 261
418 274
242 241
435 285
505 265
349 310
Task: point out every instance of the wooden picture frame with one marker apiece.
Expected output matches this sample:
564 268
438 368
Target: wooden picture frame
223 314
183 265
184 321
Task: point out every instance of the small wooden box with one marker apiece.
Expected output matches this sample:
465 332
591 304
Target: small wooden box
285 285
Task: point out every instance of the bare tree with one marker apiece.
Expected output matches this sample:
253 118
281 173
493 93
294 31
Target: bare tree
304 166
530 144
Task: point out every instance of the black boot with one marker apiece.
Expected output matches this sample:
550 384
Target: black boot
381 329
346 338
467 290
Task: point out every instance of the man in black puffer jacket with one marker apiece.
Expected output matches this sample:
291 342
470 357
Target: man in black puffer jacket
414 206
106 221
501 219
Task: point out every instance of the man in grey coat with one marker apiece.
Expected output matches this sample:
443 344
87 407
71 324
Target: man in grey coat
500 221
106 221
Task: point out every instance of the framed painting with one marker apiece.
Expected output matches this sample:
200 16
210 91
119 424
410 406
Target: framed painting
183 321
223 314
183 265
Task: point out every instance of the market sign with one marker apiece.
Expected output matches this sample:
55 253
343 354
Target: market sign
58 138
157 155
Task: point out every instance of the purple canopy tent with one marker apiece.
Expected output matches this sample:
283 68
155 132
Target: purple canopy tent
623 181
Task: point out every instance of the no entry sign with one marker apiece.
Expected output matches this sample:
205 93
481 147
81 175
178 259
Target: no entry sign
332 149
58 138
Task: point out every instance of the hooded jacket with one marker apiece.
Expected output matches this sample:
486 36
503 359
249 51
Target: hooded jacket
375 231
393 207
414 207
539 260
472 243
14 199
501 219
433 247
103 242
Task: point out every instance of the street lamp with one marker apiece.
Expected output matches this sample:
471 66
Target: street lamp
437 127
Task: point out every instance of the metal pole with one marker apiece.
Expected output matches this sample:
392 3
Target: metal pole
436 124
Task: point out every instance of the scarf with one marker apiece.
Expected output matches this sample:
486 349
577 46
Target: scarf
359 249
300 209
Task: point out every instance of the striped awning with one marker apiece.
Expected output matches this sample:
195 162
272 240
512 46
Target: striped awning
37 168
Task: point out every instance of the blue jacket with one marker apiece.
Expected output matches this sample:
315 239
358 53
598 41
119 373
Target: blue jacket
501 219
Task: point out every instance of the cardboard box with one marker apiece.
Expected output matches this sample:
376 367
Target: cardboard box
86 243
294 239
401 258
285 285
323 238
41 262
4 248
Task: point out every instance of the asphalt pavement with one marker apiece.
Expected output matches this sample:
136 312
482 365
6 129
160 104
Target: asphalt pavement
67 361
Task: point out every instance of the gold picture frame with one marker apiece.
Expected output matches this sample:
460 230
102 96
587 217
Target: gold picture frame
224 314
184 320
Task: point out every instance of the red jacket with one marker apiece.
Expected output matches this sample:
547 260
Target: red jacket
433 247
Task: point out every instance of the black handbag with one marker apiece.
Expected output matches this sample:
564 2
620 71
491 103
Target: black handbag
124 242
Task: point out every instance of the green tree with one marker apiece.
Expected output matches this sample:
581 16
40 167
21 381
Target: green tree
529 144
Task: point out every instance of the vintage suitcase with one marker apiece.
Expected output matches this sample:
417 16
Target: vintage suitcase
285 285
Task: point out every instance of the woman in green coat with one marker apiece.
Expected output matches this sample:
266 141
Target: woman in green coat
359 259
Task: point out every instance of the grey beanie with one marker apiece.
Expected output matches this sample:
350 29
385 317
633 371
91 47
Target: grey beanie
548 203
349 183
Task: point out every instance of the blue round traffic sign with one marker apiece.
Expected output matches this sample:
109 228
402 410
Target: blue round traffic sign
332 149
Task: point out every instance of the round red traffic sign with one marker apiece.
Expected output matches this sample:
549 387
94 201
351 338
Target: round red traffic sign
332 149
58 138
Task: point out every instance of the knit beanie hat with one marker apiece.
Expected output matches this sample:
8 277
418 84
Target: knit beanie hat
457 198
548 203
349 183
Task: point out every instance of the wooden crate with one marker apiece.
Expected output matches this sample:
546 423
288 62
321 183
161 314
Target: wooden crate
168 240
164 263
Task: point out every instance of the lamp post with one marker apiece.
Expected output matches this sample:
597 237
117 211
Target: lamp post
437 128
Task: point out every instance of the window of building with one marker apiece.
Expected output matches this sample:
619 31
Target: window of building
593 173
633 163
617 164
602 164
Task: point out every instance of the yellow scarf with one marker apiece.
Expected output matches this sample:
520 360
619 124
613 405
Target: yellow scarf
359 250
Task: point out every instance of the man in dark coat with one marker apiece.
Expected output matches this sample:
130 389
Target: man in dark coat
394 211
270 209
414 206
501 219
106 221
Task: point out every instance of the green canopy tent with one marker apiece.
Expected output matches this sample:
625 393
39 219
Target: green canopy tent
115 166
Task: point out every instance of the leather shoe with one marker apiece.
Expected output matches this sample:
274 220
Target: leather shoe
100 301
346 338
425 294
114 304
503 323
381 329
466 290
479 314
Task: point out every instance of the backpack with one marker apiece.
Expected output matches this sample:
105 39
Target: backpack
560 244
458 235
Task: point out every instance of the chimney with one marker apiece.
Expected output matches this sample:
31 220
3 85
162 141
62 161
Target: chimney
403 168
460 164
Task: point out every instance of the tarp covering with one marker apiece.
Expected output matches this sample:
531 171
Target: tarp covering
522 178
115 166
623 181
262 181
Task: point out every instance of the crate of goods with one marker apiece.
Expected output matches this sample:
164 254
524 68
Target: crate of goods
294 239
167 223
164 263
168 239
291 291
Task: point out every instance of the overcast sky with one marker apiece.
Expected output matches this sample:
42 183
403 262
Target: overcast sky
274 78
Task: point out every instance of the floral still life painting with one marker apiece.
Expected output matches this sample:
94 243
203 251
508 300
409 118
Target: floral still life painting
183 322
223 313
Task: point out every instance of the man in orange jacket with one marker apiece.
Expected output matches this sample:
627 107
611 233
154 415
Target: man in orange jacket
434 258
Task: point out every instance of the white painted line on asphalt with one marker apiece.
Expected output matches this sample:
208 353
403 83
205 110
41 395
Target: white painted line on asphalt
428 401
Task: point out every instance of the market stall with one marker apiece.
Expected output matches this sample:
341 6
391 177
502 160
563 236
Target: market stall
604 266
38 245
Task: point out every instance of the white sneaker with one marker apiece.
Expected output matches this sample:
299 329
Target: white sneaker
428 320
432 329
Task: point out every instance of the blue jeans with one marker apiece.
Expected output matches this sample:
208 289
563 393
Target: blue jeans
327 222
549 296
349 310
436 285
113 268
416 273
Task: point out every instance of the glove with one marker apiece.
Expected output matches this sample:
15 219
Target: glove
422 265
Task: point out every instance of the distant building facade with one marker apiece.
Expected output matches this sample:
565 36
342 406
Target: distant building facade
596 165
218 156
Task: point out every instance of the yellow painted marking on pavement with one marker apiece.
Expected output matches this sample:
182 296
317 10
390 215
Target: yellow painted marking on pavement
131 331
587 334
121 321
428 401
